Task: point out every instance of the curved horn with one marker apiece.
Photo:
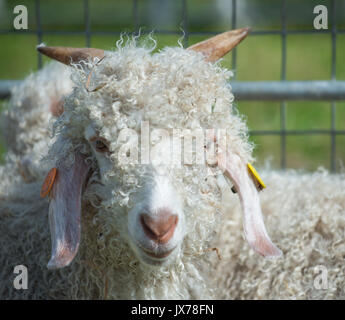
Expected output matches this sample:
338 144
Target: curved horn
67 55
219 45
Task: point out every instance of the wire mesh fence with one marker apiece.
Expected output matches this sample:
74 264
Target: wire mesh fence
331 90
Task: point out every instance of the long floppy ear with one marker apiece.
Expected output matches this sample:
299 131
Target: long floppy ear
219 45
65 210
254 228
69 55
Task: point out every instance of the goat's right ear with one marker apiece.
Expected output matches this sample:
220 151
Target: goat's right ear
65 209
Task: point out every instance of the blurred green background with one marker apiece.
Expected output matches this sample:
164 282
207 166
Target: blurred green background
258 57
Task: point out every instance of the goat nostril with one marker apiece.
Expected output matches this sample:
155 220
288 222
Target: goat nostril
161 228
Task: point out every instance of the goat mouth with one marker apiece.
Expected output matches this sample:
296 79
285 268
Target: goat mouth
155 255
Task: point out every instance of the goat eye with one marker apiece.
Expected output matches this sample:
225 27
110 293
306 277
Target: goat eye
101 146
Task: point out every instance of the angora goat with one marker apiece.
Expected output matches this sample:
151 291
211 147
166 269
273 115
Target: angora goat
147 219
148 229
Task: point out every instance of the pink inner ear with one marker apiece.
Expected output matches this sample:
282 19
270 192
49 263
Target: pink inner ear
254 227
65 211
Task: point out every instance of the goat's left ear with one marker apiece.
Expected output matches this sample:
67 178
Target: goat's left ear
218 46
236 170
65 189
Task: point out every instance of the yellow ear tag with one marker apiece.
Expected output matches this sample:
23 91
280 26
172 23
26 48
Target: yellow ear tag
256 178
259 184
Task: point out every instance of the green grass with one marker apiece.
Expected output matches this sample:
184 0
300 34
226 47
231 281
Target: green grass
258 58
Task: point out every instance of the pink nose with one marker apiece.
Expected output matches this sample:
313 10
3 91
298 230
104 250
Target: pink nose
161 227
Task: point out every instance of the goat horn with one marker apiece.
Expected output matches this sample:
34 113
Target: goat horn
68 55
219 45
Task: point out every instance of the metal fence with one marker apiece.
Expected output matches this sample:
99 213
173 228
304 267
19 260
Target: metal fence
283 90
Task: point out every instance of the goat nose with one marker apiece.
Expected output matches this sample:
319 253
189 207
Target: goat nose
161 227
